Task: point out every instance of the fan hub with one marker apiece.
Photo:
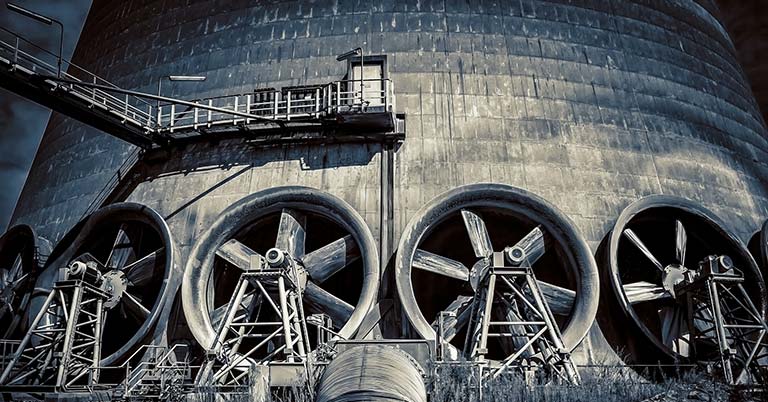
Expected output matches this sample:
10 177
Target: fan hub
6 295
673 275
114 283
6 290
477 273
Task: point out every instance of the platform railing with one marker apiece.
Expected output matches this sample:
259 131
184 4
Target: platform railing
281 105
8 348
156 116
26 56
161 366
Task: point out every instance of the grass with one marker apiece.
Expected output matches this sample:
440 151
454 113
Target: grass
459 383
607 384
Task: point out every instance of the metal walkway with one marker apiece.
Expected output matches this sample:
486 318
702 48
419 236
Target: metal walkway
149 121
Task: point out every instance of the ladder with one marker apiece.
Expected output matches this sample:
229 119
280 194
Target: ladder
263 323
528 332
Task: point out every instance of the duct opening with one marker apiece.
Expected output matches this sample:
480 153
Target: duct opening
135 253
451 242
647 314
449 238
118 244
327 241
260 237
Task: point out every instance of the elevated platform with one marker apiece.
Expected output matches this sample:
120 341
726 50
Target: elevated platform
335 109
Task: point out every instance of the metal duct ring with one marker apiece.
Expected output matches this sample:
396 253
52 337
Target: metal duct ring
132 242
758 247
654 241
371 372
22 254
338 238
437 232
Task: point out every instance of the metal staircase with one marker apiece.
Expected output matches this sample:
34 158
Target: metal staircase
164 372
150 121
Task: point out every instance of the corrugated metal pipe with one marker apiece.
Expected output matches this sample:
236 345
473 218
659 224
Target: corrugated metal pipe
372 373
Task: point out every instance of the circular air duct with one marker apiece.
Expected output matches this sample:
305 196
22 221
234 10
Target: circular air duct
758 247
22 255
657 244
135 255
372 373
443 245
323 235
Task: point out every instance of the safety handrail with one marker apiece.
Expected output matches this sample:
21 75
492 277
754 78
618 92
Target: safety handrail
8 348
22 56
155 116
137 374
281 105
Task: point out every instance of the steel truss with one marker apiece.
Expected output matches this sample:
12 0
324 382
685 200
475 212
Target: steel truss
62 347
722 312
529 332
276 289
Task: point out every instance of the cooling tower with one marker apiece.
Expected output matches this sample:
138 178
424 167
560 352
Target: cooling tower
528 114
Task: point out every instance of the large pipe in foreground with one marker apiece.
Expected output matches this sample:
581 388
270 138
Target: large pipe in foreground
372 373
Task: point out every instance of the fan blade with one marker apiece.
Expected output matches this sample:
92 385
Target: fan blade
642 291
218 313
322 263
681 242
140 271
478 234
640 245
321 300
529 249
291 233
457 317
673 328
121 249
18 281
704 321
134 307
518 338
559 300
431 262
13 273
239 255
5 278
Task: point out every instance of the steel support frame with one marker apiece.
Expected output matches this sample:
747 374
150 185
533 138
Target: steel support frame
62 349
724 312
529 325
223 368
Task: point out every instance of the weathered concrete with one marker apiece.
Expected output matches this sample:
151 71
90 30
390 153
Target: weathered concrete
590 104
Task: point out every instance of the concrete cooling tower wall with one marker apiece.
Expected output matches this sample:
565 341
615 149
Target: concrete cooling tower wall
571 110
